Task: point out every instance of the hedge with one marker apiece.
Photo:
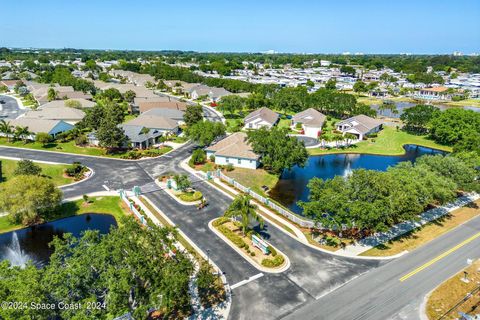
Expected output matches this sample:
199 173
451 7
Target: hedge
232 236
273 263
190 197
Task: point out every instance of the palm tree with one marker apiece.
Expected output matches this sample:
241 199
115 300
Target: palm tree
326 138
337 138
243 207
22 133
349 137
6 129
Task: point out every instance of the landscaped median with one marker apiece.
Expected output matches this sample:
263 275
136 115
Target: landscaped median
255 250
179 188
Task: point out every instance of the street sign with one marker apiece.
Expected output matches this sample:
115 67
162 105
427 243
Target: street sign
260 244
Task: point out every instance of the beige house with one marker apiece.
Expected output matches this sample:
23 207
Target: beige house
234 150
263 117
311 121
360 126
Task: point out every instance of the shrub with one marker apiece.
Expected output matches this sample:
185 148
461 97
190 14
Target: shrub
273 263
81 140
220 221
252 254
232 236
199 156
43 138
272 251
298 125
230 167
212 158
27 167
190 197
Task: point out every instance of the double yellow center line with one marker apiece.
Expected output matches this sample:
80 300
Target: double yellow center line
443 255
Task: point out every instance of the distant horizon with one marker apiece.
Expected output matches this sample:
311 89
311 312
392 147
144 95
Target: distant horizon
306 26
267 52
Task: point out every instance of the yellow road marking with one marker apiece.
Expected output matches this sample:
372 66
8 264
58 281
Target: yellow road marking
443 255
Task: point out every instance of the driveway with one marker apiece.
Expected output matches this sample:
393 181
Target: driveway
9 108
311 275
308 141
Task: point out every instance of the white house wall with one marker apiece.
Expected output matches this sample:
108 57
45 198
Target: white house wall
236 162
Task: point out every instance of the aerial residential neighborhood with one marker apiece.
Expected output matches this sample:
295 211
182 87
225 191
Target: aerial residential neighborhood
247 160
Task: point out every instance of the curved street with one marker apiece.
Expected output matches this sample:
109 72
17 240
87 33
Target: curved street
317 285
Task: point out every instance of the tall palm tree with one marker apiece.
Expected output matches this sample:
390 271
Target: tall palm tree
243 207
326 138
337 138
349 137
6 129
22 133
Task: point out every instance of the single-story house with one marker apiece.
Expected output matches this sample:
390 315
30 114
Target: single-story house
10 84
35 126
263 117
84 104
213 93
67 114
173 114
311 120
234 150
435 93
145 130
360 126
147 105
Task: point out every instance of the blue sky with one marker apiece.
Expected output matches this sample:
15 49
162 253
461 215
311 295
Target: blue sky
369 26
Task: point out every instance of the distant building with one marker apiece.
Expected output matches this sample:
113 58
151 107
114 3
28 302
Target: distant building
234 150
435 93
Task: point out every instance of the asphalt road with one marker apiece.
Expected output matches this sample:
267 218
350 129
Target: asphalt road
380 294
9 108
317 285
312 273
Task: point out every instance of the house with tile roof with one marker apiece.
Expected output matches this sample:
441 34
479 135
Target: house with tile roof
234 150
360 126
263 117
311 121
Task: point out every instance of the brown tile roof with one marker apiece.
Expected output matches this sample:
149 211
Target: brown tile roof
148 105
264 113
310 117
234 146
362 123
153 122
435 89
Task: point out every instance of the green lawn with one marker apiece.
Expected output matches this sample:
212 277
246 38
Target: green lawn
107 205
467 102
254 179
52 171
389 142
65 147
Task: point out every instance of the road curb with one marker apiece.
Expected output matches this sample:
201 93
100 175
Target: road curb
284 268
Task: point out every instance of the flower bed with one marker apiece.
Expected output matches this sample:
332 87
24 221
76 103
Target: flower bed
232 231
190 196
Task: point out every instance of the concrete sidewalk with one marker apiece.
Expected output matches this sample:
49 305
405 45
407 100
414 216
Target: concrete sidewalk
404 227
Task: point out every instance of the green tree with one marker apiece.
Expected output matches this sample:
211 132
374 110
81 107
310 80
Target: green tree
243 207
360 86
6 129
451 125
27 168
231 104
205 132
193 114
278 150
331 84
182 182
22 133
198 156
417 118
28 198
129 95
52 94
